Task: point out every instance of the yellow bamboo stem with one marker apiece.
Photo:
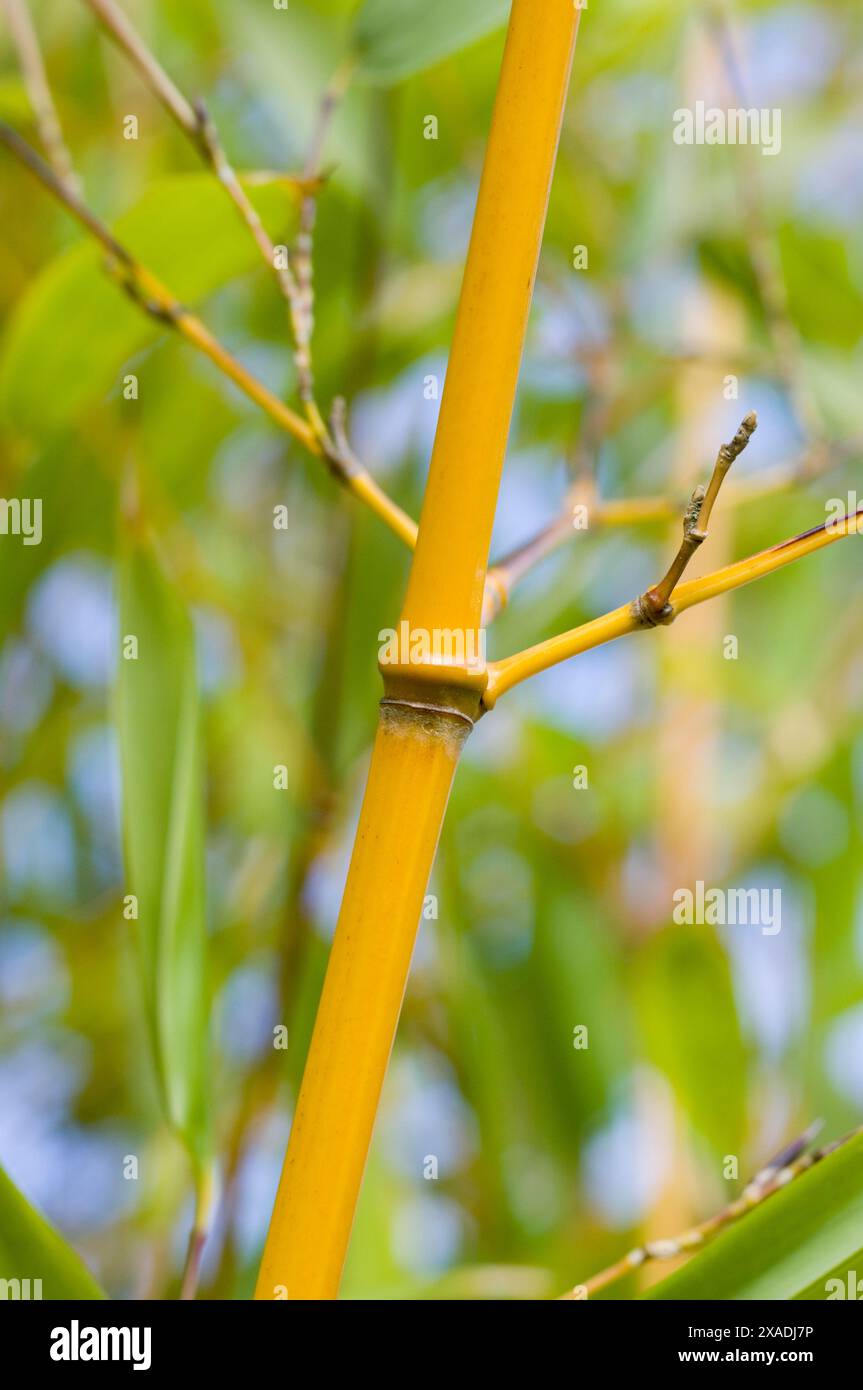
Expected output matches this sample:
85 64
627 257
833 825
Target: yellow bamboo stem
512 670
430 705
413 764
461 497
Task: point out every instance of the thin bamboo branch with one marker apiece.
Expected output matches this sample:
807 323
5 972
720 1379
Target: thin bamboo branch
156 300
724 459
26 43
511 671
506 573
787 1165
304 315
511 568
787 346
70 199
196 122
202 1221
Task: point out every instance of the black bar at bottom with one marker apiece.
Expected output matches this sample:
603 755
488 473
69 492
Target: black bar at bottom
258 1340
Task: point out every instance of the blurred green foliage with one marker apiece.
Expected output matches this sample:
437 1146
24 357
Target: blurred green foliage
553 905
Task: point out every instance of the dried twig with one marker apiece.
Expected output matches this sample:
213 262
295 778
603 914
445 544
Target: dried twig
654 606
787 1165
293 272
509 571
195 120
303 261
197 124
512 670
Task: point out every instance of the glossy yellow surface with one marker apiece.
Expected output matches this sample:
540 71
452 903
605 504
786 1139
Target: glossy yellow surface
512 670
409 782
448 575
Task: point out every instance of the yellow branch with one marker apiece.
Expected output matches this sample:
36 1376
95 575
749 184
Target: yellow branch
506 573
512 670
354 477
197 124
156 299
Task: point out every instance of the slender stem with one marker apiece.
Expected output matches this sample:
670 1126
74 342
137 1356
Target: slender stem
653 606
511 569
36 81
204 1203
196 122
304 317
506 573
198 125
724 459
511 671
152 296
156 300
63 192
361 483
789 1164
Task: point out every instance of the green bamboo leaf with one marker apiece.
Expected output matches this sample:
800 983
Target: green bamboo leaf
163 823
395 38
31 1249
807 1233
74 329
691 1030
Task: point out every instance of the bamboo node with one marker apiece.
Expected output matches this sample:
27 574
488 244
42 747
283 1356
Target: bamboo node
449 710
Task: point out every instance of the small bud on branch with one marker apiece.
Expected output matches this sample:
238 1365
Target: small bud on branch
654 607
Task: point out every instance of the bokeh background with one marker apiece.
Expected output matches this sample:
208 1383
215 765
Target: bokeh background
553 904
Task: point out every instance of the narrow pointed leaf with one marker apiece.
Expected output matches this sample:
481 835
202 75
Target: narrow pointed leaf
806 1234
163 815
74 329
30 1248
